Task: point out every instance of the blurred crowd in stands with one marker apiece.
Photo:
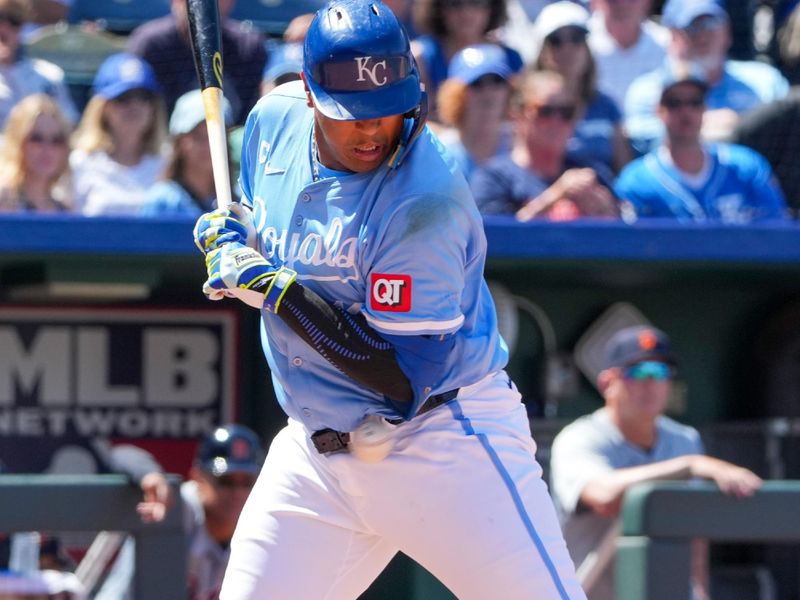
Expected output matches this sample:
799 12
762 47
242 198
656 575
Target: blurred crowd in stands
613 109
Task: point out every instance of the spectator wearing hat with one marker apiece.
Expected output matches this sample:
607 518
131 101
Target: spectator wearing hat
625 43
701 35
21 76
691 180
117 146
226 465
187 183
473 104
285 64
165 44
447 26
630 440
561 31
540 178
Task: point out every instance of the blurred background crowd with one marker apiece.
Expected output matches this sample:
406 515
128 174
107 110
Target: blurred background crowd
614 109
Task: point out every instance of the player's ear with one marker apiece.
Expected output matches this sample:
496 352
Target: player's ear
309 101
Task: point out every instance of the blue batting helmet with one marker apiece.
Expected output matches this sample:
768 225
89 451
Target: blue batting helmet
230 449
357 62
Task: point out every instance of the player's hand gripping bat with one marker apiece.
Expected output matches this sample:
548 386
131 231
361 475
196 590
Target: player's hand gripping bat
204 33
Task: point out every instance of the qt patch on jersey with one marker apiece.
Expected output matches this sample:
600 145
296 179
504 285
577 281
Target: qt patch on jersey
389 292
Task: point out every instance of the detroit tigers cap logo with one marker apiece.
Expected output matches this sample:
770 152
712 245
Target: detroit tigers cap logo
647 340
389 292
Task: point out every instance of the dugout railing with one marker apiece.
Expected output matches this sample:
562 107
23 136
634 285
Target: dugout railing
86 503
659 520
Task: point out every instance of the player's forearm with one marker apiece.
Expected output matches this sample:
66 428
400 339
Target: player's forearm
346 341
604 494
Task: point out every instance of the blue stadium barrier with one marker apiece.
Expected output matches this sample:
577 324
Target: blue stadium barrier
653 240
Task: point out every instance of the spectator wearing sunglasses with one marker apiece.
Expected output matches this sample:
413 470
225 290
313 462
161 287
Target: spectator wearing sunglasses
117 155
540 178
473 104
561 29
447 26
226 465
21 76
701 34
691 180
628 441
34 158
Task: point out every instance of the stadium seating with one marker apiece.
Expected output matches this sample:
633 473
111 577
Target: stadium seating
77 51
119 16
272 16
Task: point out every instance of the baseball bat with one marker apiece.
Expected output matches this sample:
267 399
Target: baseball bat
206 41
204 33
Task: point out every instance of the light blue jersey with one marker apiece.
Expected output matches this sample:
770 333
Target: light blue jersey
737 186
408 252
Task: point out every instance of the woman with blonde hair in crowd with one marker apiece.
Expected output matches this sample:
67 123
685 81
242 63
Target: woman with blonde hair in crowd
118 143
473 103
561 29
34 158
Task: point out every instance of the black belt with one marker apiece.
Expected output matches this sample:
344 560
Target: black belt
330 440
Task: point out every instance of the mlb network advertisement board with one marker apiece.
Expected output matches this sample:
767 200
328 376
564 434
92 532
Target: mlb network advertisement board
76 381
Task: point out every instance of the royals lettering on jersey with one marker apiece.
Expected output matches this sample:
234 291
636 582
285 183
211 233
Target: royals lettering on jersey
390 292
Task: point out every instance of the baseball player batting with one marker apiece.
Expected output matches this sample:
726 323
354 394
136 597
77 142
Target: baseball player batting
404 431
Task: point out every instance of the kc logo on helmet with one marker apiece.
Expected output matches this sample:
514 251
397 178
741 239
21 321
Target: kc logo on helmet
390 292
363 67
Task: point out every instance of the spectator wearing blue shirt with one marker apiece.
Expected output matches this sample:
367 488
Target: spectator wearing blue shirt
561 29
187 185
691 180
701 34
540 178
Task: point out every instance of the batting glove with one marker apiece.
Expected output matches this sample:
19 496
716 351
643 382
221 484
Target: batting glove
234 267
223 226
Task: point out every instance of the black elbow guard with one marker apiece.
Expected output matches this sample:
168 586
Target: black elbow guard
346 341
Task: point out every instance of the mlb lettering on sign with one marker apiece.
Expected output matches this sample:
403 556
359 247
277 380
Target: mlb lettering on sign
115 373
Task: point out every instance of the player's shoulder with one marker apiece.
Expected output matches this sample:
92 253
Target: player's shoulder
283 105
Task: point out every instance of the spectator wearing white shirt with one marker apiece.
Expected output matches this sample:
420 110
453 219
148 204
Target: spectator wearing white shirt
625 43
118 143
20 76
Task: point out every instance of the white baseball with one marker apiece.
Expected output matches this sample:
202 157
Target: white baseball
372 440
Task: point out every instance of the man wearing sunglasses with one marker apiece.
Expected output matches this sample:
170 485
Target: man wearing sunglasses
701 34
691 180
630 440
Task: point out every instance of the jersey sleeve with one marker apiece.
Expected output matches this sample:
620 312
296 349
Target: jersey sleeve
249 156
417 272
